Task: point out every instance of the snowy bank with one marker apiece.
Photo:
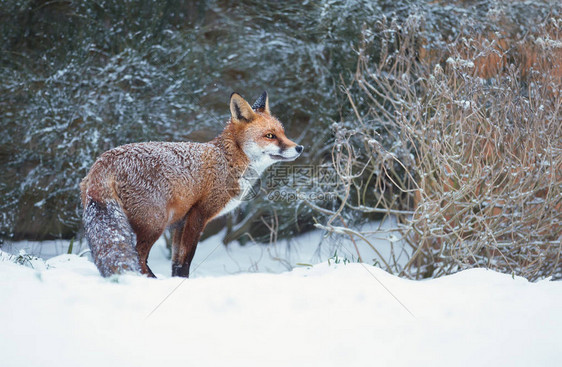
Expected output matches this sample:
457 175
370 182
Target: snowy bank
65 314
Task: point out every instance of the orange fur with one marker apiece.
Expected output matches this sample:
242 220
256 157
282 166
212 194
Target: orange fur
184 185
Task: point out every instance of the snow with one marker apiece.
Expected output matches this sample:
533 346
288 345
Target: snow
244 308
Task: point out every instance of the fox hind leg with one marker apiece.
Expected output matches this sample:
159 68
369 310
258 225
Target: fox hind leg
143 248
145 240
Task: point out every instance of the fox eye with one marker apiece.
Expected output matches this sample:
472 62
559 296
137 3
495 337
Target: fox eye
270 136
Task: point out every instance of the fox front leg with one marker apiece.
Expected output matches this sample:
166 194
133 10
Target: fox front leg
185 242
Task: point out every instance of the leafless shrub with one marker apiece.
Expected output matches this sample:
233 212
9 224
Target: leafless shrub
463 146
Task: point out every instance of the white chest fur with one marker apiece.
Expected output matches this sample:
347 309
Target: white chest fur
247 191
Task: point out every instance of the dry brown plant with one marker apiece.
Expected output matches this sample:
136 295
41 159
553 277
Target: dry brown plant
464 150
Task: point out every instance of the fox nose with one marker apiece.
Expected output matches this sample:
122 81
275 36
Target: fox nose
299 148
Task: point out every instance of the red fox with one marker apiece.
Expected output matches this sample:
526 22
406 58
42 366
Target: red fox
134 192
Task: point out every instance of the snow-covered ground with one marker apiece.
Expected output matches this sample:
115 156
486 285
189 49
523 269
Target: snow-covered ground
212 258
244 308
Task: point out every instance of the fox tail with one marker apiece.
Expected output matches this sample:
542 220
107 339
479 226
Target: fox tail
111 238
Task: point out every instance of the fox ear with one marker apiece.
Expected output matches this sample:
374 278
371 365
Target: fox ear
240 109
262 103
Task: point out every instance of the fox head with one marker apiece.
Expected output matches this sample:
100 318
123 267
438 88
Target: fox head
260 135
